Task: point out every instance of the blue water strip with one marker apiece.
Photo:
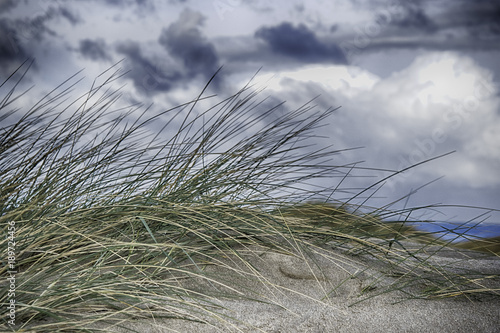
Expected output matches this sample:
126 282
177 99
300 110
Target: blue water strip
457 232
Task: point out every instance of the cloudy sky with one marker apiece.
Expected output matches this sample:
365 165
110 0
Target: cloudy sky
414 79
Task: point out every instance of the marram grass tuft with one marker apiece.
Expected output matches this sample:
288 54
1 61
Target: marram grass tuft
115 222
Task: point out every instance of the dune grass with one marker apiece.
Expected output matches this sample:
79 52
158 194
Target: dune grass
111 219
488 245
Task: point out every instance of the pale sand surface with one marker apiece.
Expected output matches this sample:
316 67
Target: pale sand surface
300 297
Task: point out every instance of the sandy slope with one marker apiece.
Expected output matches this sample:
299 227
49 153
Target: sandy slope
298 295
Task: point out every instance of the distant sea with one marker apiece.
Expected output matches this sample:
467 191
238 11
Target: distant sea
458 232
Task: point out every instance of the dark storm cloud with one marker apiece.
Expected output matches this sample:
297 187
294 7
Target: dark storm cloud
31 28
115 2
149 75
144 6
450 25
20 36
122 3
478 17
94 49
413 17
68 15
464 14
299 43
6 5
34 28
185 42
12 54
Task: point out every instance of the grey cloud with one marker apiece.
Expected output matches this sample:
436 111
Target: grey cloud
12 54
299 43
185 42
122 3
34 28
6 5
115 2
18 37
479 17
413 17
149 75
466 14
147 5
456 25
439 43
68 15
94 49
37 25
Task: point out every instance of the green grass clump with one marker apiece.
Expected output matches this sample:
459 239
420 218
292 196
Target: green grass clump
112 220
348 220
488 245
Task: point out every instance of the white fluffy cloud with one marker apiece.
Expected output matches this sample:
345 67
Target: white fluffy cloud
440 103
